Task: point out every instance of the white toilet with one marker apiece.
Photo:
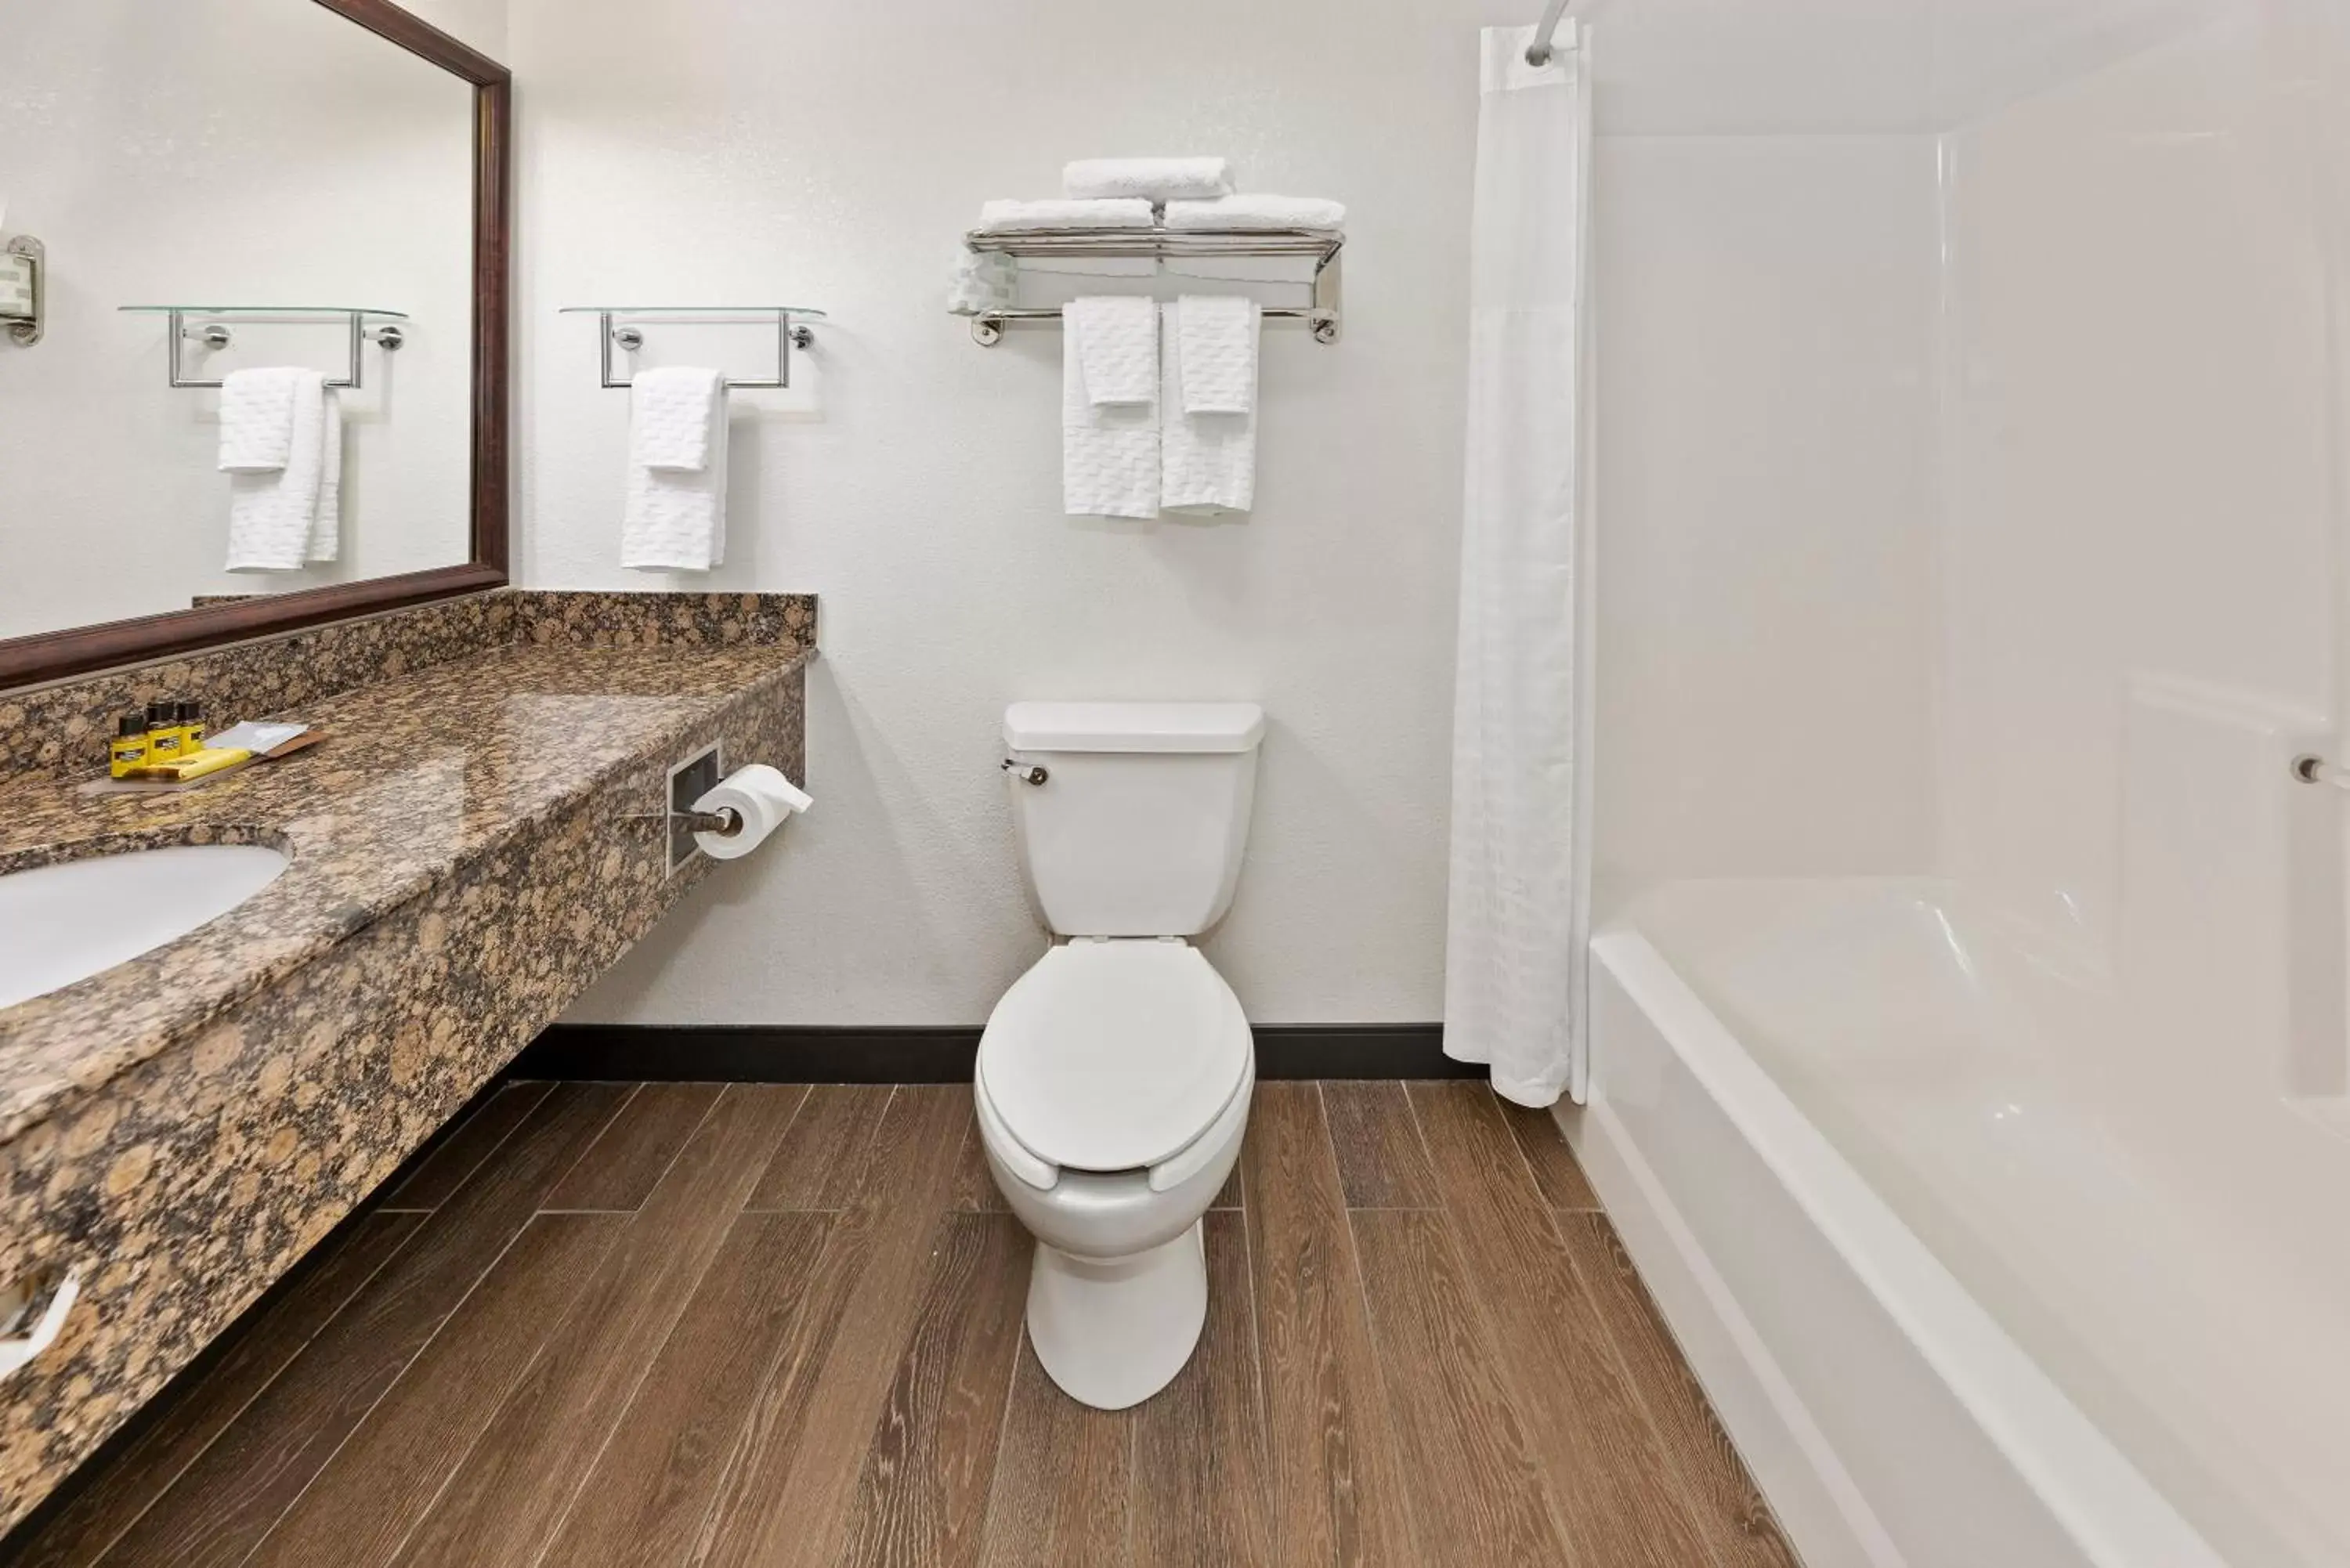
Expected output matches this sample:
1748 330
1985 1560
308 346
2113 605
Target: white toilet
1113 1077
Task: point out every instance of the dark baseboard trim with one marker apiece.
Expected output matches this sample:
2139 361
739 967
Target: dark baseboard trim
801 1053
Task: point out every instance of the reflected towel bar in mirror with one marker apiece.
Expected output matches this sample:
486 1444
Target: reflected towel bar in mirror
791 332
215 333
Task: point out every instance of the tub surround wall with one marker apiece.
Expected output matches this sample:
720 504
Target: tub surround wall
186 1126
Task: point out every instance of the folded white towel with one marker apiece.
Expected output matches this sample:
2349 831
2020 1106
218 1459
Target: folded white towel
1206 462
674 519
1117 346
1218 338
670 421
1109 451
257 418
271 513
326 516
1152 179
1257 211
1130 213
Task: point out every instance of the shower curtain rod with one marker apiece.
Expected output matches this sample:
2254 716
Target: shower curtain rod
1538 52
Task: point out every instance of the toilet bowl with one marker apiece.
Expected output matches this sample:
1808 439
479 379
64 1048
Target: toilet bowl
1113 1077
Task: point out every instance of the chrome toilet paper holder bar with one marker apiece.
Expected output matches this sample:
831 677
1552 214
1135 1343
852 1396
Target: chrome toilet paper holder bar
725 822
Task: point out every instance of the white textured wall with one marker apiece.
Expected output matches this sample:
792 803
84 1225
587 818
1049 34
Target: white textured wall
708 151
232 151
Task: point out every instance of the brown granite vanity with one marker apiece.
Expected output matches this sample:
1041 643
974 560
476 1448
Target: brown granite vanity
182 1128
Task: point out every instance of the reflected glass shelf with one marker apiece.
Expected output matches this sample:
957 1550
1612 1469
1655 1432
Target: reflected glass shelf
689 310
288 310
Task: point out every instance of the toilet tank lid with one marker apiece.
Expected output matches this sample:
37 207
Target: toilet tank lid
1133 726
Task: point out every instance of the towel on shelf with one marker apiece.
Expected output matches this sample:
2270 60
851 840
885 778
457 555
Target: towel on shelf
326 516
272 510
1257 211
984 280
257 418
669 422
1206 462
1109 451
1152 179
1117 346
674 519
1134 212
1217 340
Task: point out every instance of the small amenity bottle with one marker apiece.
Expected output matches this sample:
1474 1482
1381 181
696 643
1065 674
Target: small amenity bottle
162 734
191 728
127 752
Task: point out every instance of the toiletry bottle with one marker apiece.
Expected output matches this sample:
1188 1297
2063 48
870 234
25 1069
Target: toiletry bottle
126 754
191 728
162 734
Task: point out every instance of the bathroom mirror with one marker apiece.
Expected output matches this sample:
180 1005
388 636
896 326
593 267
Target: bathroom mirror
309 193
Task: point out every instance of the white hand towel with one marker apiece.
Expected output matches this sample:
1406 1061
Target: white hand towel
326 516
257 418
1109 451
669 424
1218 338
996 216
1206 462
270 514
1117 346
1152 179
1257 211
674 519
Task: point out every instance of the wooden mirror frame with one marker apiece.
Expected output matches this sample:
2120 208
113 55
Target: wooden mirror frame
50 654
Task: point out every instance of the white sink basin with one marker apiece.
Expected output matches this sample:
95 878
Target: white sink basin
65 922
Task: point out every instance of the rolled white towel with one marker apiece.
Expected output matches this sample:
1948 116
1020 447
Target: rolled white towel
1132 212
1152 179
984 280
1258 212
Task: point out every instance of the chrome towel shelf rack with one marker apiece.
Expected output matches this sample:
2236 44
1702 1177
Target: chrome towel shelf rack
364 324
1163 246
792 331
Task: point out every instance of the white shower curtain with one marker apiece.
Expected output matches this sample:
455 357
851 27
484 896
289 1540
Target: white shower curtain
1519 904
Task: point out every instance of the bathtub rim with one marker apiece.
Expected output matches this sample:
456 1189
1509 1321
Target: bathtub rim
2099 1501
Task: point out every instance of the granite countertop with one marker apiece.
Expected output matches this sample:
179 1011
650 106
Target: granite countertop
419 775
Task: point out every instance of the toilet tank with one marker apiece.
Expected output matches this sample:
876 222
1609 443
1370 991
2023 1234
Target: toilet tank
1138 827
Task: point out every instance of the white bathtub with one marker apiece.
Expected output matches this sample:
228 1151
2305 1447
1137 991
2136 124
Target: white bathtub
1970 1285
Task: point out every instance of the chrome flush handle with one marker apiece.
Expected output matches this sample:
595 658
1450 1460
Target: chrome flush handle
1027 772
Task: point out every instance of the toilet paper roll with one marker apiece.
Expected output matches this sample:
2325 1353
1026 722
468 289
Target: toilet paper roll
761 798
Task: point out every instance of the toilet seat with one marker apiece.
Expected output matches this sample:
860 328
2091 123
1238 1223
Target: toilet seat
1112 1056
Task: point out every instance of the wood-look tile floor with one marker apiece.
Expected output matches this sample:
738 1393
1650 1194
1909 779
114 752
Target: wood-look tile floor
768 1325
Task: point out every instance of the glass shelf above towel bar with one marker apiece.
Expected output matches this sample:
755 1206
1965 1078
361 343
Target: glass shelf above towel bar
292 312
360 321
791 332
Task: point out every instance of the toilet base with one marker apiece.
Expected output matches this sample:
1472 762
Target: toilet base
1112 1332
